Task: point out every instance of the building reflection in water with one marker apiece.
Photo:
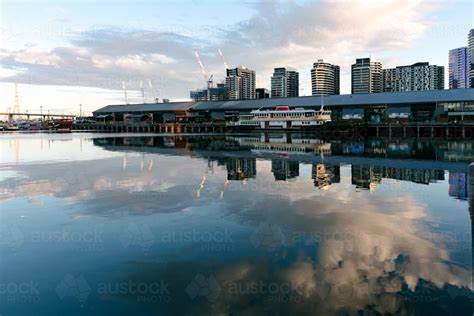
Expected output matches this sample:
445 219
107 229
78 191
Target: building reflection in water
378 259
241 168
366 177
324 175
458 183
284 169
369 177
471 214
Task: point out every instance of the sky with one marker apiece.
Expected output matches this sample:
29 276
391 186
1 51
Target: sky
64 53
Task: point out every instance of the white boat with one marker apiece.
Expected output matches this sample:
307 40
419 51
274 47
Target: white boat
282 117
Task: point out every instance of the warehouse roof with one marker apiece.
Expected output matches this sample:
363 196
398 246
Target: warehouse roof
413 97
344 100
146 107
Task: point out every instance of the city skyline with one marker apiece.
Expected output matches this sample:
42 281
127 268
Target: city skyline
62 62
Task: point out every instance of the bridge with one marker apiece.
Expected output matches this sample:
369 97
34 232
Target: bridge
41 115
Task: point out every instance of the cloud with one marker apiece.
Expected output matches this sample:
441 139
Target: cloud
279 33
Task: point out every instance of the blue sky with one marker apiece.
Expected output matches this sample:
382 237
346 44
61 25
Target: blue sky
62 53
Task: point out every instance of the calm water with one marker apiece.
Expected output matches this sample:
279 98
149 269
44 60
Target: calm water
256 224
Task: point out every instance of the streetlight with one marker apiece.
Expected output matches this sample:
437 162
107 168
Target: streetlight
80 110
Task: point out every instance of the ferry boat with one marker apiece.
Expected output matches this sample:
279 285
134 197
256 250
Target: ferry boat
283 144
282 117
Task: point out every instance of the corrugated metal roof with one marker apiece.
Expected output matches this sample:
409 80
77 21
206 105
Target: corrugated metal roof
413 97
342 100
146 107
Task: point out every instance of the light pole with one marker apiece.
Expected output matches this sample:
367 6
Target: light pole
80 110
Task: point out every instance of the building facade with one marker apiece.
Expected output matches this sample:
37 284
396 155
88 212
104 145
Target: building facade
471 57
240 83
284 83
218 93
458 68
419 77
366 76
325 78
262 93
389 80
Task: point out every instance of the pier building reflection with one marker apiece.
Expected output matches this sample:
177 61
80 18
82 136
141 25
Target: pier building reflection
241 168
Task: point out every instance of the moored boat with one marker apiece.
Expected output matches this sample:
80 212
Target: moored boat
283 117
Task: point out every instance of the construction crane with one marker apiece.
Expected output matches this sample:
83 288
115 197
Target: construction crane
142 90
208 77
150 85
125 92
223 60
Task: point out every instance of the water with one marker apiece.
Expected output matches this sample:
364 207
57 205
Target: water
255 224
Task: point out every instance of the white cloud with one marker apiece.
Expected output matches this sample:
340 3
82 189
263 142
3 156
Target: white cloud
279 33
36 57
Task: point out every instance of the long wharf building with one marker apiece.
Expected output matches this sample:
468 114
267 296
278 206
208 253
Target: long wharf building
413 106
